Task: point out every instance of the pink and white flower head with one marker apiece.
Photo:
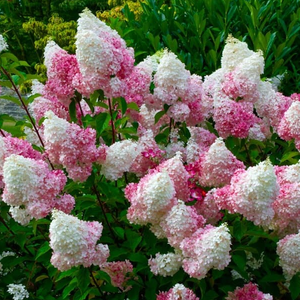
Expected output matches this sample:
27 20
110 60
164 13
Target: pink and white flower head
119 272
65 142
42 104
233 118
178 292
178 174
234 52
171 79
288 174
200 141
31 184
119 158
251 193
165 264
208 208
289 127
179 111
101 53
149 157
151 198
247 292
61 69
207 248
217 165
180 223
271 104
288 250
74 242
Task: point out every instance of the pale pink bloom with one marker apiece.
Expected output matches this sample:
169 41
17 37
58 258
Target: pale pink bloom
119 272
178 174
65 142
288 250
271 104
180 223
179 111
207 248
288 174
74 242
251 193
30 183
119 158
151 198
217 165
101 54
200 141
289 127
165 264
178 292
248 292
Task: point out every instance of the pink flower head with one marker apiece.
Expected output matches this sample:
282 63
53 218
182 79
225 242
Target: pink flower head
149 157
74 242
288 250
180 223
289 127
248 292
151 198
271 104
217 165
101 54
177 292
61 69
251 193
65 142
207 248
119 272
178 174
200 141
233 118
31 184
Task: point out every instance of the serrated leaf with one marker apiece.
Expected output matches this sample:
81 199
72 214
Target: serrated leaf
12 99
72 286
159 115
41 277
120 232
72 111
273 277
133 105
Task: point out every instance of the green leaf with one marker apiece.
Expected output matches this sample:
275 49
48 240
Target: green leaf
133 105
159 115
43 250
273 277
72 286
295 286
72 111
123 105
83 279
102 121
9 56
120 232
288 156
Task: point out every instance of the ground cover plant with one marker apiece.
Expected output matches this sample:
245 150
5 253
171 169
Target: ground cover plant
147 181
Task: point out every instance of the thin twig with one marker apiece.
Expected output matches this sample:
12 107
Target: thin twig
96 283
2 133
112 122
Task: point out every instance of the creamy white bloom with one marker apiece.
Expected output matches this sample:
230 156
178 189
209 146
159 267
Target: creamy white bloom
3 44
18 291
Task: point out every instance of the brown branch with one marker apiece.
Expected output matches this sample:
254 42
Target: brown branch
112 122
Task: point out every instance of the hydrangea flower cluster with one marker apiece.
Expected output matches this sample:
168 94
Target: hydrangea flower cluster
32 189
248 292
251 193
288 250
119 272
74 242
3 44
179 291
18 291
65 142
